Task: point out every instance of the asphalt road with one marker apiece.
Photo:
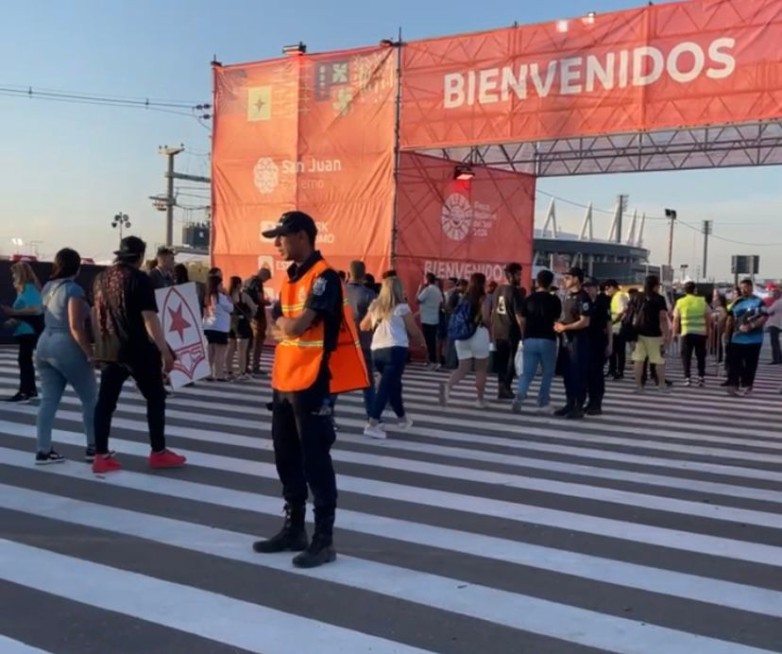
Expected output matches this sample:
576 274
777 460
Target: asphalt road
655 529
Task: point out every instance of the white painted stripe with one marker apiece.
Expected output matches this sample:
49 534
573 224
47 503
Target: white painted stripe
9 646
241 624
355 407
594 568
649 424
671 538
517 611
581 453
463 453
709 511
582 491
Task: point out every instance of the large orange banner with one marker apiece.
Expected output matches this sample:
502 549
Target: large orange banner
312 132
453 228
681 64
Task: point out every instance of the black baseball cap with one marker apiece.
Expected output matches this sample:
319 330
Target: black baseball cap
590 281
131 247
293 222
575 272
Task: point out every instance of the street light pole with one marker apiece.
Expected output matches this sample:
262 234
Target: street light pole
671 215
121 221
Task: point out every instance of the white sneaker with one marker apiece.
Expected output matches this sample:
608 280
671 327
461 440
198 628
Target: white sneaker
482 404
375 431
405 423
547 410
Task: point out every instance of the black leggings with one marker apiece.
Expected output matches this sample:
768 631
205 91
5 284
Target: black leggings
27 343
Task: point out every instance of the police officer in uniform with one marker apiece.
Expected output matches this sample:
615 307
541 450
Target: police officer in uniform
574 328
317 355
601 342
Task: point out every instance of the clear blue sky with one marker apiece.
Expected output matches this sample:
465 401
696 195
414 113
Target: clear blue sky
66 169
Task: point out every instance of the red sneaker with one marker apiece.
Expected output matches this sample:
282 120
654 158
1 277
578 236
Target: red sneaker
105 463
166 459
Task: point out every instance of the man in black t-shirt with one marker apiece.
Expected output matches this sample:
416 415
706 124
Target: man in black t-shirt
540 311
601 341
505 324
129 342
652 326
574 327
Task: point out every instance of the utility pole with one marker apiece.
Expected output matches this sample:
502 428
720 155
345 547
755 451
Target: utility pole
707 225
170 199
671 215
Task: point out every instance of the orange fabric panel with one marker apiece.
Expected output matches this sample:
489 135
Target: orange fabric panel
311 132
453 228
679 64
255 129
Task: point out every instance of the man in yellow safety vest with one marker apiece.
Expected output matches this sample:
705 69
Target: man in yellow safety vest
691 321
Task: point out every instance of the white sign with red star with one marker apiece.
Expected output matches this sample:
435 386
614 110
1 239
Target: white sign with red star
180 315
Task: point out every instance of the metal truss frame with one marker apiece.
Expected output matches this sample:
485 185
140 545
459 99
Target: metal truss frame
718 146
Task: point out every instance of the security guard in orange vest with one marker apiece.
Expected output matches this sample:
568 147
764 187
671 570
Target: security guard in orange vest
318 354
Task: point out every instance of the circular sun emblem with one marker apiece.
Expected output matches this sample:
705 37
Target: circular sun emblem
456 217
266 175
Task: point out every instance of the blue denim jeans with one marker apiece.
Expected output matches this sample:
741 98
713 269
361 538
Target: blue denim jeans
60 362
538 352
369 391
390 363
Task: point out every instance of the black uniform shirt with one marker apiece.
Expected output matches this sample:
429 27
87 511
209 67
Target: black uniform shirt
576 306
601 315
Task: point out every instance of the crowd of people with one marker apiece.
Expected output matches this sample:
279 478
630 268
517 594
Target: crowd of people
340 332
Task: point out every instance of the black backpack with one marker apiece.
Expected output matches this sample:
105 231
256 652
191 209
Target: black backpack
635 317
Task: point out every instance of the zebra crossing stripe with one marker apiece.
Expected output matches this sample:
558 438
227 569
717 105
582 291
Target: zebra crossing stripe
689 508
517 512
581 453
602 570
113 590
242 624
9 646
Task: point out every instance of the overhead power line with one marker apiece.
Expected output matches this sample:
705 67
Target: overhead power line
151 104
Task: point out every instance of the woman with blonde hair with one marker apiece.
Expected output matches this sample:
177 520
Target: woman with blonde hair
394 328
26 318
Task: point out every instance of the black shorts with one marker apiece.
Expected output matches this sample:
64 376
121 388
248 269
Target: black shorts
216 338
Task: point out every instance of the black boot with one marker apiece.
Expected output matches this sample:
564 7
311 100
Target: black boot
291 538
505 393
593 410
321 549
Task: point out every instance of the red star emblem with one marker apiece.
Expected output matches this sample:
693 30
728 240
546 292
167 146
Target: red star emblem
178 322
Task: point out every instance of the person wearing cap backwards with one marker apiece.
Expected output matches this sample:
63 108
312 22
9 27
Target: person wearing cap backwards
318 354
129 342
574 326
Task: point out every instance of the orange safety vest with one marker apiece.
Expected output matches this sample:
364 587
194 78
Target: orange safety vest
297 361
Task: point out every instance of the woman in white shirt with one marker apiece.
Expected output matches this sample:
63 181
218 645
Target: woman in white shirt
390 316
217 323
